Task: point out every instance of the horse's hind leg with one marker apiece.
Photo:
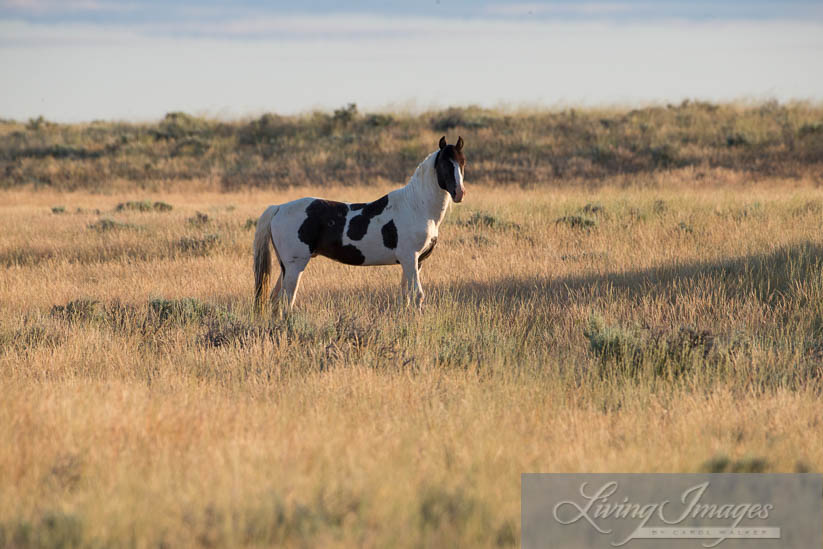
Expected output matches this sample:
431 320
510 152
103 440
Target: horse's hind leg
279 284
291 280
277 287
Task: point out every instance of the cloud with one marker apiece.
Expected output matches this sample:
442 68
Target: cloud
327 28
639 10
41 7
566 8
16 34
305 26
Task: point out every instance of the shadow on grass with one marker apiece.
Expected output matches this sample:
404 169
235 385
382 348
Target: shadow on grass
787 280
767 276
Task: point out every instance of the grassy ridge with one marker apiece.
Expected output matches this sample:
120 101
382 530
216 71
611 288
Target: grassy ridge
350 148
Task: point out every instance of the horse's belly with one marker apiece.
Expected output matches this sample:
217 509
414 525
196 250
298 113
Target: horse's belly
379 257
374 250
358 253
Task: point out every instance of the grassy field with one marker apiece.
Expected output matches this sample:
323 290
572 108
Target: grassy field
656 321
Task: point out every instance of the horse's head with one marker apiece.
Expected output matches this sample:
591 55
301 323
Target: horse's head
450 167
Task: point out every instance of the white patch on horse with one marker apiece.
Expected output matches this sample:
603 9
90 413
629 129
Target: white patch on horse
458 179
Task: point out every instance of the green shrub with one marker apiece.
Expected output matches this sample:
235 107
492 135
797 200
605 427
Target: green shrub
685 227
269 128
665 354
178 125
79 310
593 209
345 115
807 130
198 219
50 530
106 225
39 123
610 342
379 120
577 222
736 140
198 246
723 464
185 309
483 220
470 118
32 335
143 206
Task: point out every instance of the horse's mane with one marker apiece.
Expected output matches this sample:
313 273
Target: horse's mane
417 177
420 193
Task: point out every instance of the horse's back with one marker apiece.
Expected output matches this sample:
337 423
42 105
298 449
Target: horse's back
366 233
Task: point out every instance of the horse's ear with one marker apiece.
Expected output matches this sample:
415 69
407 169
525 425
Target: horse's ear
443 142
459 144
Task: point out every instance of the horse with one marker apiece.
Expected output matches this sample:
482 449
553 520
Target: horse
400 227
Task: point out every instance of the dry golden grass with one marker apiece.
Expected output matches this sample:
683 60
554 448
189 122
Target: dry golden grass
682 331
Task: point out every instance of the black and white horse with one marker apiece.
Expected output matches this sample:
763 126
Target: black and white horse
400 227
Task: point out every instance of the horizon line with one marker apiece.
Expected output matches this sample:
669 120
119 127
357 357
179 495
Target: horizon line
503 108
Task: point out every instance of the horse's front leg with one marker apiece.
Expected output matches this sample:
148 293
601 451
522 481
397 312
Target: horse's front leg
411 281
404 290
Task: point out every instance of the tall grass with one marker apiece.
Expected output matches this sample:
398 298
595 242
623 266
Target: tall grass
143 404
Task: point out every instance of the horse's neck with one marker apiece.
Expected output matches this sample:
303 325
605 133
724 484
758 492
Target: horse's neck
424 194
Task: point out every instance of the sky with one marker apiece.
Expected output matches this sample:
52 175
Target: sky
81 60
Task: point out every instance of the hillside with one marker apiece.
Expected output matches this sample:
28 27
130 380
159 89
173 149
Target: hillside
347 147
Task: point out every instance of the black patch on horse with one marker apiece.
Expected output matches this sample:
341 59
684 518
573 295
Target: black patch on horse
389 232
444 168
322 232
359 224
427 252
348 254
357 206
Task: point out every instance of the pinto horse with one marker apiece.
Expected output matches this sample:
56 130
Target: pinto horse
400 227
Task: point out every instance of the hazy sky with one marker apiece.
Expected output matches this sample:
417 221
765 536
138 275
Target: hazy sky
135 59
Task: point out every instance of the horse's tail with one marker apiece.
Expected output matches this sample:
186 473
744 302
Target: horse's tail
262 257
